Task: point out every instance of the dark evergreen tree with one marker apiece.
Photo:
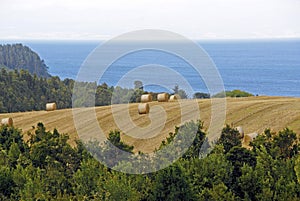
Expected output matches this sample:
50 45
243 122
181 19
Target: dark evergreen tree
229 138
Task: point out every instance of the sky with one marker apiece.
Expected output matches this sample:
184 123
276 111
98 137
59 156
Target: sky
105 19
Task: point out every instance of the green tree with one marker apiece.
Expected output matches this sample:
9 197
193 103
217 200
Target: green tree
239 156
33 189
229 138
115 138
88 180
13 154
118 186
283 145
237 93
6 182
182 94
195 148
234 93
172 184
297 168
286 141
248 182
9 136
176 89
200 95
103 95
217 192
208 172
113 150
138 85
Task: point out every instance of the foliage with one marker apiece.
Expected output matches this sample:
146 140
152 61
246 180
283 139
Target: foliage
183 133
176 89
182 93
37 91
115 138
200 95
114 149
138 85
18 57
234 93
172 184
34 92
237 93
46 167
229 138
283 145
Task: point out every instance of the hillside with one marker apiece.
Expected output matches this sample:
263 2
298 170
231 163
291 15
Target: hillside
18 57
254 114
26 92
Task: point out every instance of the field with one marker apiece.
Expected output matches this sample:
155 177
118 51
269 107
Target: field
254 114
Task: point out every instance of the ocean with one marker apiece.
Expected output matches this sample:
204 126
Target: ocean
261 67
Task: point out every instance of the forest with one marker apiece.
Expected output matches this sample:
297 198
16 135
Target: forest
18 56
25 92
46 167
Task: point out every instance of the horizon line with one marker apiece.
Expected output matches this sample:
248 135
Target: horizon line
193 39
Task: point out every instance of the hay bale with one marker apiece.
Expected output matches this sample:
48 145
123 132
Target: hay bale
146 98
241 131
7 121
50 106
252 136
163 97
143 108
174 97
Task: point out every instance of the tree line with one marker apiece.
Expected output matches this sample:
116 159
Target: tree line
21 91
46 167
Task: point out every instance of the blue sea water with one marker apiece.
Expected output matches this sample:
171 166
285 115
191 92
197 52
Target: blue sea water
263 67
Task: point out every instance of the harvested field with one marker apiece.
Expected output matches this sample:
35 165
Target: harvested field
254 114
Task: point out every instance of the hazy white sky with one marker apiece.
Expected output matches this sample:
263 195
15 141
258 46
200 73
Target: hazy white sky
103 19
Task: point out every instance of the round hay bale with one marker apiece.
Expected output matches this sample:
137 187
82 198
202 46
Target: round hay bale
146 98
252 136
163 97
241 131
143 108
174 97
50 106
7 121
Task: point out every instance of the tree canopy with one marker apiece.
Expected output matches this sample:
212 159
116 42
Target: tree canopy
46 167
18 56
26 92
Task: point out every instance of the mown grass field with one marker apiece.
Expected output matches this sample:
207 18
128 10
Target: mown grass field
254 114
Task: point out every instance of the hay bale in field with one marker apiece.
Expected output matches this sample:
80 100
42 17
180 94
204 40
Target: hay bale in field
163 97
241 131
7 121
174 97
146 98
143 108
50 106
252 136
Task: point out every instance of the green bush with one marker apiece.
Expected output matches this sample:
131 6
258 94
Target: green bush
234 93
